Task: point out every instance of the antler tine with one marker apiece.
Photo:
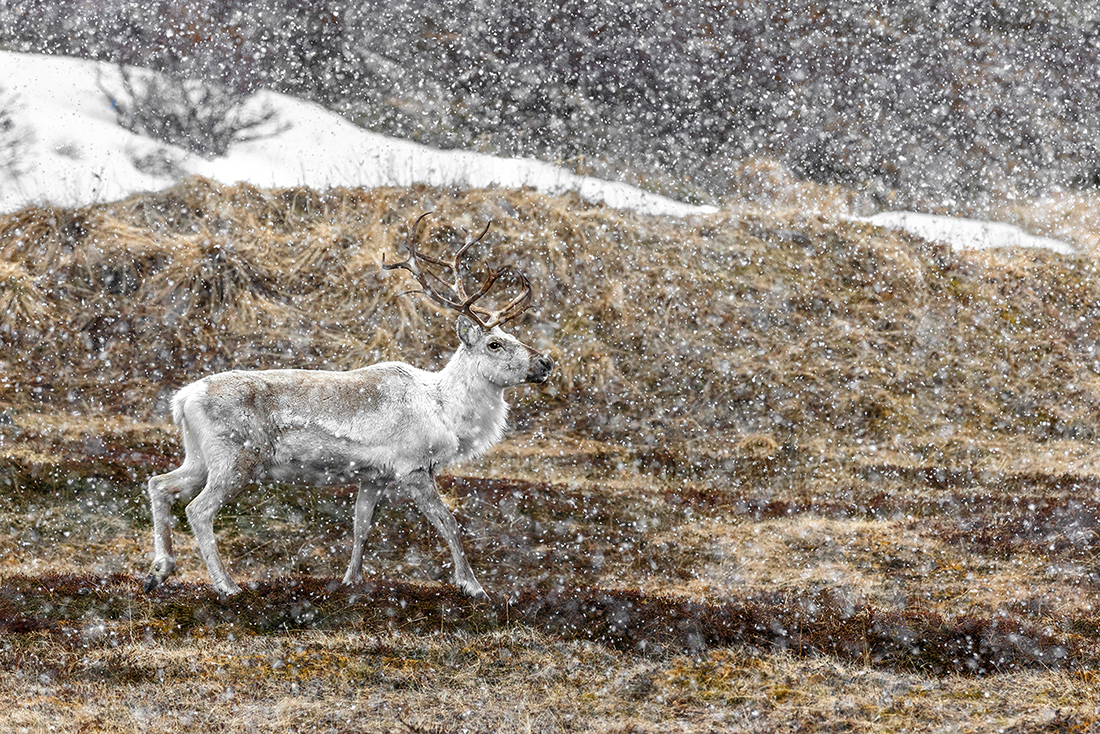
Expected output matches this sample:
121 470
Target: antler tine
517 305
468 304
424 276
412 264
471 243
457 287
409 263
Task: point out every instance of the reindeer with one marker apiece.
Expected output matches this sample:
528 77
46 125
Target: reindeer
386 426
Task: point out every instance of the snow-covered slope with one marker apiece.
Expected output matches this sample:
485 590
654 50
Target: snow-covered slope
75 152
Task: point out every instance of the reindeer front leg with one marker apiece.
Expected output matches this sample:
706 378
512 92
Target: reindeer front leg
200 513
421 487
370 491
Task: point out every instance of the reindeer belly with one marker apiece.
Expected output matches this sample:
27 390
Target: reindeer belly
319 456
304 458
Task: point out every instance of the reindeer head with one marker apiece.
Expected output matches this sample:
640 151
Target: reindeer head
500 357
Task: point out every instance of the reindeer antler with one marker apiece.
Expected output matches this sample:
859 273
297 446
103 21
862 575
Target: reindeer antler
458 300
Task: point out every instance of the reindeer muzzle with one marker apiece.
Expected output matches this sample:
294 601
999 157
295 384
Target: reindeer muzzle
540 369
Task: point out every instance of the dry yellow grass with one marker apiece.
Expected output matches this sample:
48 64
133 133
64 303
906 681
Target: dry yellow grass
23 307
744 322
511 681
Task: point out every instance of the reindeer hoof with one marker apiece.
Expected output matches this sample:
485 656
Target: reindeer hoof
228 590
474 591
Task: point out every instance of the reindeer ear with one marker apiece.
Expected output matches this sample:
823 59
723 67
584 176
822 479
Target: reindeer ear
469 332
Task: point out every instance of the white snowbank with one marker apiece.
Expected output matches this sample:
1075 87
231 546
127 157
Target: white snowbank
77 153
966 234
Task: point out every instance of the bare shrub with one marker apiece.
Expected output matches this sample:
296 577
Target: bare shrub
13 139
202 117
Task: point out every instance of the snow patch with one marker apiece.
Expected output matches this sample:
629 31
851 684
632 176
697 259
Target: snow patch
966 234
78 154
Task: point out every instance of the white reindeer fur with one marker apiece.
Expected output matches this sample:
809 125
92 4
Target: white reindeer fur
388 424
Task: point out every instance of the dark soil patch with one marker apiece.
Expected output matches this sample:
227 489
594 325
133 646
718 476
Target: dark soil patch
1056 528
67 607
939 477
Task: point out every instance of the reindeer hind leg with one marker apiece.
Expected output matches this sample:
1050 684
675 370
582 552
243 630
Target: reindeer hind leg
163 490
220 487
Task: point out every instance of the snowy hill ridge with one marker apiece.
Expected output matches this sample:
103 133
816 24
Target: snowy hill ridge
74 152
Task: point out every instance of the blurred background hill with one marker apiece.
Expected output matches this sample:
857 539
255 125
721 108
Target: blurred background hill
944 105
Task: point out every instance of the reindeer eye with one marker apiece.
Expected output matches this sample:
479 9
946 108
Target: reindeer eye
495 346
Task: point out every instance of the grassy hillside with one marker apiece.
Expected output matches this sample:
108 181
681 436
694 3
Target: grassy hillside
801 328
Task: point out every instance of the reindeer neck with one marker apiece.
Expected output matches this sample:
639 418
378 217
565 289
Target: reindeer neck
461 382
475 405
